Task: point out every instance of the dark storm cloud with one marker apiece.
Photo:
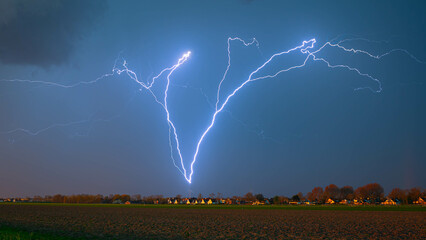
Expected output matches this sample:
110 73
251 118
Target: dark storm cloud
44 32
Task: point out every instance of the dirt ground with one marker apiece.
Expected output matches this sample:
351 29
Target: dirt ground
159 223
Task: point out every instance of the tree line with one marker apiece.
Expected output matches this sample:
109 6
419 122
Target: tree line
370 193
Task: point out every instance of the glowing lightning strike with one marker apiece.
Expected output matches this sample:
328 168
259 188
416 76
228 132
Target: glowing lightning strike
306 48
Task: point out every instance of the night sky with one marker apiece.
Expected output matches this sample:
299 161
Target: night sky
302 129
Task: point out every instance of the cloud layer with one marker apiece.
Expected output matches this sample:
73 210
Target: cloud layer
44 33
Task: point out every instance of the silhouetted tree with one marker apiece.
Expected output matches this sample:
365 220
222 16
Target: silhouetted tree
413 194
347 192
295 198
259 197
315 195
279 200
398 194
332 191
301 197
58 198
219 195
249 197
372 192
136 198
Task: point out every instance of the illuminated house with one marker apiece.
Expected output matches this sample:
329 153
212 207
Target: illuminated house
330 201
420 201
389 202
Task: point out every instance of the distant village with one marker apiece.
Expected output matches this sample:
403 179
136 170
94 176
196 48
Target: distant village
366 195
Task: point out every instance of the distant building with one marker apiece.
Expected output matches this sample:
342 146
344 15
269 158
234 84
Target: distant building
389 202
256 203
127 202
420 201
330 201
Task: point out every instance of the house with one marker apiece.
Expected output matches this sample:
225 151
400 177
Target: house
389 202
330 201
176 201
127 202
202 201
209 202
420 201
228 201
169 201
187 201
257 203
357 202
345 201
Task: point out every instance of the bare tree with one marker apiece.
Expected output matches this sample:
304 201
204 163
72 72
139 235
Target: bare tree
332 191
301 197
398 194
249 197
136 198
317 193
414 194
372 192
259 197
347 192
219 195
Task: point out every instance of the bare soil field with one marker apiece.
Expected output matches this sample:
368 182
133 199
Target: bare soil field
85 222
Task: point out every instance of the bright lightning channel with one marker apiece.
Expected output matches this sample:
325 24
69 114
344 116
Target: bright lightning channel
306 48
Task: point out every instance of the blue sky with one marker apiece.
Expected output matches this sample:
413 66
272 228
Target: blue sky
302 129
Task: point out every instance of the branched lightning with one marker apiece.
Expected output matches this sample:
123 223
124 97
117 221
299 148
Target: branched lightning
307 49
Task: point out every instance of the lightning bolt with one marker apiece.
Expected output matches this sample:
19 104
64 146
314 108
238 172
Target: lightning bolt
307 49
